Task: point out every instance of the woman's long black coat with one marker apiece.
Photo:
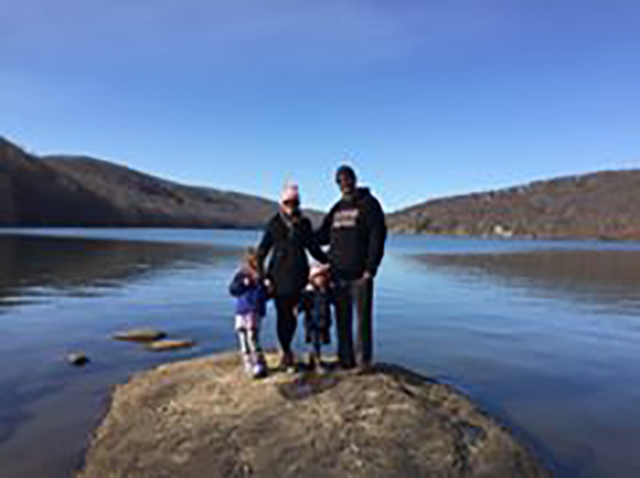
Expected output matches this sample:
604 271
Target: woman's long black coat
289 265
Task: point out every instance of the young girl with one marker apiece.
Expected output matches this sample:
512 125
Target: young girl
317 300
250 307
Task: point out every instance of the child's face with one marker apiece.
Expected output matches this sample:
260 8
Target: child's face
252 264
320 281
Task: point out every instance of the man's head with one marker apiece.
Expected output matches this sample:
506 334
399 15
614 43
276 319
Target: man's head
347 180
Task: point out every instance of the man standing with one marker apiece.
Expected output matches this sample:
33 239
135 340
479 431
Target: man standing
356 230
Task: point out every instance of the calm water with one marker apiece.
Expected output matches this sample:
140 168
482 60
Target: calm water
545 335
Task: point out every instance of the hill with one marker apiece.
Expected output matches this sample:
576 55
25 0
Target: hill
83 191
602 205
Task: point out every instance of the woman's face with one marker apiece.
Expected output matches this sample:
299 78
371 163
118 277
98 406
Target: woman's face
291 207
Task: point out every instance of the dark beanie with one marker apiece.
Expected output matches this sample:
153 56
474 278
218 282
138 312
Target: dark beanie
346 171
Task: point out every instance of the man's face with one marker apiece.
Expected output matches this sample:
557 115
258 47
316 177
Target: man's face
346 183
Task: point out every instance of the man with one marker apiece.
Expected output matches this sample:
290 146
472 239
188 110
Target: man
356 230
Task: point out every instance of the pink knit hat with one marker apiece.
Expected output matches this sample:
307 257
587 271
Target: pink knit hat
291 192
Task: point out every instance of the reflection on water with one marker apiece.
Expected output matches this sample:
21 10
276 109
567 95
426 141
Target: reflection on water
63 294
543 334
606 277
32 266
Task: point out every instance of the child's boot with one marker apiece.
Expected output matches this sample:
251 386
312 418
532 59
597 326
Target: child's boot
325 336
248 364
260 367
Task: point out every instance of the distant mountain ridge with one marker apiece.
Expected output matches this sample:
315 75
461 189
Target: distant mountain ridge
86 192
597 205
82 191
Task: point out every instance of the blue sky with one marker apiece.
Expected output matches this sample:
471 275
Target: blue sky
426 98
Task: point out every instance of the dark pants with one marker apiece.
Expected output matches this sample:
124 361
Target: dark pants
360 294
287 321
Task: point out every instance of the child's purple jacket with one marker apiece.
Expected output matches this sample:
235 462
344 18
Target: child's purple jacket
249 299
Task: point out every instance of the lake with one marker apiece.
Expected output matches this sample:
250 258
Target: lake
544 335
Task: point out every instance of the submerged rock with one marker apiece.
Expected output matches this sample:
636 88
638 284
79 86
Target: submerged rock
77 359
204 417
167 345
140 335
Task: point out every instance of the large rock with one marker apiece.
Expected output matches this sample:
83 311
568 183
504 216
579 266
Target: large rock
140 335
205 418
168 345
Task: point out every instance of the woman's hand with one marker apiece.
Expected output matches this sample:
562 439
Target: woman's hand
268 285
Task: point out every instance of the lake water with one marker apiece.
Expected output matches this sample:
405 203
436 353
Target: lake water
544 335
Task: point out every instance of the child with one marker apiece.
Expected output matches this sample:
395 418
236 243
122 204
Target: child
317 300
251 299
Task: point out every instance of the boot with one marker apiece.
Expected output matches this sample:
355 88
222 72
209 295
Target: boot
287 362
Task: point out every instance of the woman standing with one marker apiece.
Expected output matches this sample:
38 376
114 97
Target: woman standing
289 234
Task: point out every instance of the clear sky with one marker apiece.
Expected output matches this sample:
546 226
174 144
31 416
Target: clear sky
425 97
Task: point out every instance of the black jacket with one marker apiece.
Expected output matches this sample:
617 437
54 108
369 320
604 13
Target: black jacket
289 265
357 232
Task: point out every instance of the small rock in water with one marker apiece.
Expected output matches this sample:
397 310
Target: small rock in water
140 335
78 359
164 345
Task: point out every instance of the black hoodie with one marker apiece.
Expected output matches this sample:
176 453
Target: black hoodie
355 227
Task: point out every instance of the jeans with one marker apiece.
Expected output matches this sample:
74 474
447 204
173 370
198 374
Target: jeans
360 294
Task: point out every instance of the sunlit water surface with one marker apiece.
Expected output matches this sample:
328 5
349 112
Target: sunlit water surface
544 335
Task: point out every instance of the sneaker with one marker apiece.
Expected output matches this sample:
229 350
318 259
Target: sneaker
313 362
259 370
364 368
323 368
346 365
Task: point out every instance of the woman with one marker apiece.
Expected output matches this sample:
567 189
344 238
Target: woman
289 234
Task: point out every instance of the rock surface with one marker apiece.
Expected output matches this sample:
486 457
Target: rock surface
204 417
140 335
167 345
77 359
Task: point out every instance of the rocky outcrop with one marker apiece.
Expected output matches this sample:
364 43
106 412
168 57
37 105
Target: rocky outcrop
147 334
206 418
170 344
